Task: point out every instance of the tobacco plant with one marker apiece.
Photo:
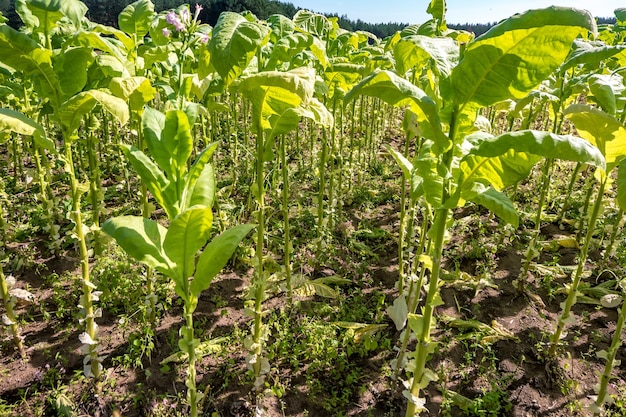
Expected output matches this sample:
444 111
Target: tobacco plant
462 167
181 253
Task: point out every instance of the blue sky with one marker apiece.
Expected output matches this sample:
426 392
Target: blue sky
459 11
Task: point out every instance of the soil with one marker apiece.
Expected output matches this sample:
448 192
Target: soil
468 365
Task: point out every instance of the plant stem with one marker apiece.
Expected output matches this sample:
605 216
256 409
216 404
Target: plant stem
530 252
609 249
10 315
424 345
573 289
285 204
610 358
91 328
192 393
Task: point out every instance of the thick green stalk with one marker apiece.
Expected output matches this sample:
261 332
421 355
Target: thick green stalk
403 221
568 193
610 359
91 328
320 195
260 279
583 216
10 314
94 189
573 289
424 344
530 252
192 392
44 187
413 294
287 238
610 247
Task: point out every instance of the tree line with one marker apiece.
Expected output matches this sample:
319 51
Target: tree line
106 12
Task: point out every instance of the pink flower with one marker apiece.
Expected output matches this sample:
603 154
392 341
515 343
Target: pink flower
198 10
185 16
204 38
166 32
173 19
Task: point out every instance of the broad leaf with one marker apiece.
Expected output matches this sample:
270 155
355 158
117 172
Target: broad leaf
548 145
234 43
604 88
140 238
187 234
273 92
42 16
513 57
399 92
589 52
177 142
136 90
13 121
200 181
314 23
494 201
21 53
405 165
418 51
154 179
202 192
216 255
601 129
281 26
136 18
71 68
73 110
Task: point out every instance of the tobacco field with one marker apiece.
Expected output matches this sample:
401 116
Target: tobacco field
284 218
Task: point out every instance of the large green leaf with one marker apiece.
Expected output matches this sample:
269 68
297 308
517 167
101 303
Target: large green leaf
154 179
215 256
187 234
499 171
600 129
140 238
514 56
281 26
136 18
399 92
590 52
138 91
200 181
234 43
418 51
202 193
42 16
96 41
71 68
495 201
73 110
13 121
177 141
604 88
21 53
273 92
314 23
545 144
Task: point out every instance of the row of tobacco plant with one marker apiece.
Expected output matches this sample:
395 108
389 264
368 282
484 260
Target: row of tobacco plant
183 103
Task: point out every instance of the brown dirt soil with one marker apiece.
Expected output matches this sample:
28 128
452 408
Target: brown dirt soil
515 365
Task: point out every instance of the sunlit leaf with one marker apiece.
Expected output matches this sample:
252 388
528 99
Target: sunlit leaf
234 43
216 255
140 238
513 57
